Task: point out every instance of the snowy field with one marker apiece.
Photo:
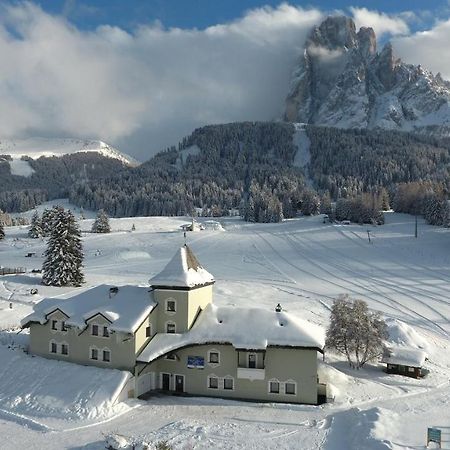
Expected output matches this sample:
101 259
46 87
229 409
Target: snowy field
303 264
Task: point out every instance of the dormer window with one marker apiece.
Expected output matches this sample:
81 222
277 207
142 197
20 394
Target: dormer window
54 325
94 330
105 332
148 331
63 326
170 327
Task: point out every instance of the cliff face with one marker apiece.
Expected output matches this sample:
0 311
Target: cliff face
341 80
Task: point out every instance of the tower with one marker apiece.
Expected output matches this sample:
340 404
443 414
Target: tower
182 290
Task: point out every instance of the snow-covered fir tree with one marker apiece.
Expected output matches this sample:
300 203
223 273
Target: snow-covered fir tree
35 230
101 223
64 254
47 220
2 231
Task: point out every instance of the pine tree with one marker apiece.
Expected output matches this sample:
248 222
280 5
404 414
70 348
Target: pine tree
355 332
35 230
64 254
2 231
101 223
47 219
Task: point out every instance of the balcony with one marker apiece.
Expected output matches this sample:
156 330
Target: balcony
251 374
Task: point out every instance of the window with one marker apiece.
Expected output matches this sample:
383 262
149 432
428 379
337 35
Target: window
148 331
94 354
54 324
53 347
170 327
228 384
171 357
289 388
213 357
170 306
252 361
213 383
105 332
64 349
274 387
106 355
410 369
94 330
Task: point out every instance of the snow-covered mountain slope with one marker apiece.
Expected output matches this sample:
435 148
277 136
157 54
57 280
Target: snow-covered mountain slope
342 81
36 147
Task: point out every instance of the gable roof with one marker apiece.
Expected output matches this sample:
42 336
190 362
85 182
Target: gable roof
184 271
404 356
125 310
244 328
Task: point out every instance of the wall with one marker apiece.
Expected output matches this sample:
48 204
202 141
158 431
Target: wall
121 345
298 365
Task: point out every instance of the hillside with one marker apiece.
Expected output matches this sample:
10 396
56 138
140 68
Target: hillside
218 167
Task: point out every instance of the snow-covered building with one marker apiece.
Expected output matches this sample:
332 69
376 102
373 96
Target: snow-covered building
172 338
405 361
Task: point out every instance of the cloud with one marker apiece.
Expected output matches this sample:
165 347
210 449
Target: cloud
143 90
429 48
382 23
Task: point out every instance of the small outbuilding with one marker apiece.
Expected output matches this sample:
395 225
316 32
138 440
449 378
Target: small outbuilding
404 361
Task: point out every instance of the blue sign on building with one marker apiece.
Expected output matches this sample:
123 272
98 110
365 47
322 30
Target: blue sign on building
196 362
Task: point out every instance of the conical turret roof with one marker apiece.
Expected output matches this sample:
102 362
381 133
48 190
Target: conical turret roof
183 271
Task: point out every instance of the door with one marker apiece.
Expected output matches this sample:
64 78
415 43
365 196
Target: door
252 361
179 383
165 385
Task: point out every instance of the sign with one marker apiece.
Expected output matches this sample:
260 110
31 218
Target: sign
434 435
196 362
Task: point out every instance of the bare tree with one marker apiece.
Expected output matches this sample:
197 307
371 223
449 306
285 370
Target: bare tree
355 331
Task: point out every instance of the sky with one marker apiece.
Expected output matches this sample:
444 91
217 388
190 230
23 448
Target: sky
141 74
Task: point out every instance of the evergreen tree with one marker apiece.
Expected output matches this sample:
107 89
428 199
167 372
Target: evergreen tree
101 223
2 231
47 219
35 230
64 254
355 332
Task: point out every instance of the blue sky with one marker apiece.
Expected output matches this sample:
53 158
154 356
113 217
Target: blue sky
126 14
141 74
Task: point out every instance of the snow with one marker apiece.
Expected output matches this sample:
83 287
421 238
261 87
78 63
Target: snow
20 168
404 356
302 264
181 271
36 147
126 309
302 142
244 328
193 150
34 388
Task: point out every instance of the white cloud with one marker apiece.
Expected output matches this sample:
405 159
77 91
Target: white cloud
146 89
382 23
429 48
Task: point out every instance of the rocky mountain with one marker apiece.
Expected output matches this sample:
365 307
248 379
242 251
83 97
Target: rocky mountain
343 81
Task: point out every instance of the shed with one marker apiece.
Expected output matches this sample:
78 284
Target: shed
405 361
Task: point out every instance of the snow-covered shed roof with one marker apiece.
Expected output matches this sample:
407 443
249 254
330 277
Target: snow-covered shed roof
125 309
244 328
183 270
404 356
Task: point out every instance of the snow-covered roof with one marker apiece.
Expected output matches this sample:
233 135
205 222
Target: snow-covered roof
126 308
244 328
404 356
183 270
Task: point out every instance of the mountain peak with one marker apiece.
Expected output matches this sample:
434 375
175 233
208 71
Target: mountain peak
342 81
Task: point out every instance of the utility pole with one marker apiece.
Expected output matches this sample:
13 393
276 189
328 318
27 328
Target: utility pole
415 230
368 235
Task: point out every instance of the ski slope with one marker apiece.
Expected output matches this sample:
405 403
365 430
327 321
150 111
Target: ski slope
303 264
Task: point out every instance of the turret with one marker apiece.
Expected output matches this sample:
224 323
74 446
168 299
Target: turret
182 290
